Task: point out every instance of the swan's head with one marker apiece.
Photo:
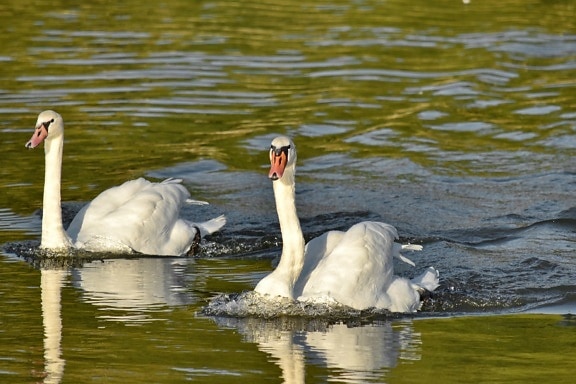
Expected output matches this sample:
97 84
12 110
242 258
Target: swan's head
282 155
49 124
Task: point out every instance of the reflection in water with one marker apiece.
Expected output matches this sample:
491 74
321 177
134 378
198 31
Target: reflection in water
134 286
352 354
51 284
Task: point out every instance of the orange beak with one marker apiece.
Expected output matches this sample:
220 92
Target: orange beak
278 160
38 136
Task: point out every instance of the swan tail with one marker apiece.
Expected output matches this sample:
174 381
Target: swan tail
196 202
412 247
171 180
408 247
429 280
211 226
405 259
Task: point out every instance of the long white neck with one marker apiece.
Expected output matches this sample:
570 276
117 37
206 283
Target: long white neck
292 259
53 234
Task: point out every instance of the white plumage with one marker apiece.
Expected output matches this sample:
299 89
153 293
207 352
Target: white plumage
354 268
137 216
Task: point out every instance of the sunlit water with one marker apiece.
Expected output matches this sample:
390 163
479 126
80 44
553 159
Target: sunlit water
453 121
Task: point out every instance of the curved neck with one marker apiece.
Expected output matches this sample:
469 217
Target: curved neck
292 259
53 234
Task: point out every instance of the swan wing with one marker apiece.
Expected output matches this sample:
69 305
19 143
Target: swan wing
358 269
139 215
405 295
428 280
315 251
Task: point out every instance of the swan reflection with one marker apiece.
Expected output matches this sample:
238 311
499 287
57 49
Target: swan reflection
352 354
51 284
129 289
133 286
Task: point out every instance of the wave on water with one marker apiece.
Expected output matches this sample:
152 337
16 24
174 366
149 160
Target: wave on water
39 258
253 304
451 298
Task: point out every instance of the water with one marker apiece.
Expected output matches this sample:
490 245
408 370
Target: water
454 122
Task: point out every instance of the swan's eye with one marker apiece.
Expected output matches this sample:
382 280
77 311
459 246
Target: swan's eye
47 123
279 151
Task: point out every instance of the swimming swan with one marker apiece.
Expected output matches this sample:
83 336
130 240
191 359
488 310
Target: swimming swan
137 216
354 268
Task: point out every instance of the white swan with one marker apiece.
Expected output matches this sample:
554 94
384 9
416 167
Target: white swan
137 216
354 268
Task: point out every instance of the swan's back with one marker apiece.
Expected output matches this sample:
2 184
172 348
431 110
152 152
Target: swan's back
359 268
138 215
